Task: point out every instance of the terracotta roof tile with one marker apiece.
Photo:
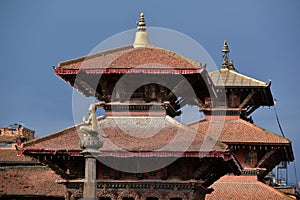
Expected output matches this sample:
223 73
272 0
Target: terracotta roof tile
129 57
244 188
30 181
231 78
134 134
11 155
238 131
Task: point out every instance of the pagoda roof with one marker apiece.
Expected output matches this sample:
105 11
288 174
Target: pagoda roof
244 188
231 78
149 135
239 132
127 59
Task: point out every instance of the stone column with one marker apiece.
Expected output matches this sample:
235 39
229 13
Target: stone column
90 183
91 144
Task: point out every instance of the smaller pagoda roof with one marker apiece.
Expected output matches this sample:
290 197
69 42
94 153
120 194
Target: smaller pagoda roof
244 188
231 78
239 132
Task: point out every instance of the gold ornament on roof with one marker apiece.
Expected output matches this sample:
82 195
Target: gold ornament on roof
141 36
225 48
142 23
231 65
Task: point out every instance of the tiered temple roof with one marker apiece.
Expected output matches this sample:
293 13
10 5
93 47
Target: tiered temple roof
141 134
96 74
122 136
171 139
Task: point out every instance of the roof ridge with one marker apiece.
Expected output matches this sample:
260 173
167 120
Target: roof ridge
56 134
50 136
81 58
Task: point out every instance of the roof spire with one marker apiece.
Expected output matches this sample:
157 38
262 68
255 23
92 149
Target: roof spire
141 24
231 65
141 36
225 50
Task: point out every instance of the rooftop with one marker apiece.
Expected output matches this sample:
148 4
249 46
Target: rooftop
10 156
239 132
244 188
135 134
127 58
32 180
231 78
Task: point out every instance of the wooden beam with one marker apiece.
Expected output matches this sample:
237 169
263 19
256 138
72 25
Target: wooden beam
247 99
265 157
201 172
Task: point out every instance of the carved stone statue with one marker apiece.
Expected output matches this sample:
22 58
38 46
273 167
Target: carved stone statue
90 126
90 141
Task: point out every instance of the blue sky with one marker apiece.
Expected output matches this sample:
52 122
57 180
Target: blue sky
36 35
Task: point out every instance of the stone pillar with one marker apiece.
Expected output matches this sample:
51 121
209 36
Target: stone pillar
90 144
90 183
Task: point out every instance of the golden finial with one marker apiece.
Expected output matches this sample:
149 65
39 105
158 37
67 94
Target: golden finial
231 66
225 48
142 23
141 36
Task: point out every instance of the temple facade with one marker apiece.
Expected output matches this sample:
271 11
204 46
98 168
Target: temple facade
144 152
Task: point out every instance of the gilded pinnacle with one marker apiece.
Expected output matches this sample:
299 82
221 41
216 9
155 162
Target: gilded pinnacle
142 23
231 65
225 48
141 36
